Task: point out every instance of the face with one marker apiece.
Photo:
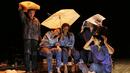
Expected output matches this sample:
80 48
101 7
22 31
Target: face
66 29
56 32
31 14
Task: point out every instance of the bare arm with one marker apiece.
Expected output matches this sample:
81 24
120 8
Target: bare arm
110 49
86 46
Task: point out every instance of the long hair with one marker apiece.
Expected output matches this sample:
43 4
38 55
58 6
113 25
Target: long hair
66 25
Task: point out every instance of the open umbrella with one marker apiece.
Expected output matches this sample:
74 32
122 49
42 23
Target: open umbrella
62 16
30 5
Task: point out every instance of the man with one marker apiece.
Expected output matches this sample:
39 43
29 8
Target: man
49 46
31 35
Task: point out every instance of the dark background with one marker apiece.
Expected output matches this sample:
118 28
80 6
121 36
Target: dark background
117 21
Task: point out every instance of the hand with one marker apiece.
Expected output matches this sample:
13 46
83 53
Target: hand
59 49
57 44
22 7
92 38
56 49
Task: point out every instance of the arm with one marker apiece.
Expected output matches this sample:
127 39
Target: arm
87 45
45 40
21 10
39 30
72 41
110 49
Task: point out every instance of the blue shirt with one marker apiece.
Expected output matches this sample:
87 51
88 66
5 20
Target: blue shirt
68 41
102 56
48 40
87 34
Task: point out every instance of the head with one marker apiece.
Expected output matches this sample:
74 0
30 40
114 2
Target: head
31 13
98 40
65 28
56 31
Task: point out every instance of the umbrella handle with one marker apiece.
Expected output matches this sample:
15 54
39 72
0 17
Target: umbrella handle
60 20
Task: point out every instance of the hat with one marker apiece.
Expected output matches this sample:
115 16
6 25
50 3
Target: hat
30 5
96 19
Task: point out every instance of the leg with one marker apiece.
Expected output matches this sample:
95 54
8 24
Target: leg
76 57
107 68
96 68
84 55
65 59
27 52
58 61
34 55
49 58
83 67
46 52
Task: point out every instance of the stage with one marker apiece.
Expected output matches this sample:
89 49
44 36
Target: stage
119 66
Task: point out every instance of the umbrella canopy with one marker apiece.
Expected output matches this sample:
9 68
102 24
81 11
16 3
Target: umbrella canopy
62 16
30 5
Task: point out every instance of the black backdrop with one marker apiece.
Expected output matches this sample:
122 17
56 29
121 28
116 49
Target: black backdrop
116 14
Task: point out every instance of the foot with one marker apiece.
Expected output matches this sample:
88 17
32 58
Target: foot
51 72
58 70
65 69
91 72
73 68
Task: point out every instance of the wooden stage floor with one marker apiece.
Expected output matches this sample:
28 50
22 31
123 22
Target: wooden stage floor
120 66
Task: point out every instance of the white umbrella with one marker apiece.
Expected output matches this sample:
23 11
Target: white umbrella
62 16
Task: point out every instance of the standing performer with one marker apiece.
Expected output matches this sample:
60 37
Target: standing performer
31 35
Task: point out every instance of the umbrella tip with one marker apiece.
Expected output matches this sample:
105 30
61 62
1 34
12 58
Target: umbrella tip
48 14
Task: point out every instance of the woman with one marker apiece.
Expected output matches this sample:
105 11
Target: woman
67 41
49 47
101 51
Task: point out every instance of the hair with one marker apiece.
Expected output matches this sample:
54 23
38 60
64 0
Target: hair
65 25
98 37
31 10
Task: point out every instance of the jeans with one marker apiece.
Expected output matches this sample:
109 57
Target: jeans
49 59
100 68
86 56
30 52
75 54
